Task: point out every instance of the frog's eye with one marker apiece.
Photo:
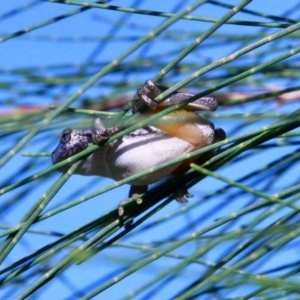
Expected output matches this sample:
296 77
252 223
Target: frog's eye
66 136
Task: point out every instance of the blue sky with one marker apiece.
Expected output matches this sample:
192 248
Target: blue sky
42 49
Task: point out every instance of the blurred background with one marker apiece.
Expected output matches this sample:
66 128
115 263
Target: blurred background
64 61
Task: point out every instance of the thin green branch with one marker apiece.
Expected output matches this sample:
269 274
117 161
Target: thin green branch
33 213
200 39
168 15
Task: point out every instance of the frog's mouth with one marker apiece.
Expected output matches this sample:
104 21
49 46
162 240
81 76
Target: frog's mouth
72 142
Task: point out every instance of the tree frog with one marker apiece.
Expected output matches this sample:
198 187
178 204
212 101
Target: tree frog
175 134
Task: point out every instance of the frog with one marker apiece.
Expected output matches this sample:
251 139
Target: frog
178 133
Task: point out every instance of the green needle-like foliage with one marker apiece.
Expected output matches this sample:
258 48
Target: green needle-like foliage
61 235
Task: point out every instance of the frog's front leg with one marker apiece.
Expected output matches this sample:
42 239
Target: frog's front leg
100 130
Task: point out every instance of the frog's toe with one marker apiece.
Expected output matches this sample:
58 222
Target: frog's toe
136 197
150 87
146 93
183 198
145 100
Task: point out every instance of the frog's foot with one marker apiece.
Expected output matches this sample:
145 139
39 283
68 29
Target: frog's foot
182 196
146 93
100 133
220 135
135 197
134 194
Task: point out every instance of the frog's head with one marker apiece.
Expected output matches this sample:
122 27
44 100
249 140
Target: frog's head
72 141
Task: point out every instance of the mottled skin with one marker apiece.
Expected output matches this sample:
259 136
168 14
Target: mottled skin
173 135
147 92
